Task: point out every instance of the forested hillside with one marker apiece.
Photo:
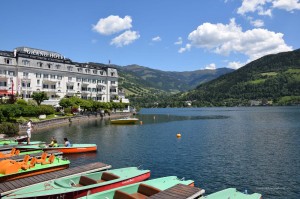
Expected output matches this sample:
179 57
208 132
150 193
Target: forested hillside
270 79
139 81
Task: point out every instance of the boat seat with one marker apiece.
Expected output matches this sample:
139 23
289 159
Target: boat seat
50 160
122 195
147 190
12 153
30 165
106 176
43 158
85 181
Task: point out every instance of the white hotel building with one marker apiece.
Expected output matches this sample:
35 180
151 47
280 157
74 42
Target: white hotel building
27 70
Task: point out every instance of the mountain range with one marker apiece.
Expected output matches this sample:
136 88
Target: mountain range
138 80
272 79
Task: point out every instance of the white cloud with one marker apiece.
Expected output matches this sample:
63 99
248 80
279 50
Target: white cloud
264 7
254 6
235 65
112 24
156 38
211 66
186 48
179 41
125 38
256 23
288 5
229 38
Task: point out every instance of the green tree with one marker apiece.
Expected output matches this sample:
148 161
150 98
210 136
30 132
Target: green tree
39 97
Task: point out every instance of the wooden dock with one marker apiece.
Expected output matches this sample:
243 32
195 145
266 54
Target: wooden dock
11 186
179 191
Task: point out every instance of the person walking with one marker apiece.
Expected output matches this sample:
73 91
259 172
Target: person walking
28 131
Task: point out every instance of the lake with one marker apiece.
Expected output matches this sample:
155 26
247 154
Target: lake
250 148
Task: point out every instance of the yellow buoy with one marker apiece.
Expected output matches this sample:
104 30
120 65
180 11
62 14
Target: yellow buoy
178 135
141 122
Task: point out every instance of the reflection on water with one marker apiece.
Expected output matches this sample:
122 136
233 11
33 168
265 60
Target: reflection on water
248 148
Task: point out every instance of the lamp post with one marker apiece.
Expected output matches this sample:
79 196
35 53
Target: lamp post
12 86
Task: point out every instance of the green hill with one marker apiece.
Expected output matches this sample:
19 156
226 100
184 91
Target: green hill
141 80
270 79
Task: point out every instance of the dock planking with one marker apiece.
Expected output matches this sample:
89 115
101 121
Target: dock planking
13 185
179 191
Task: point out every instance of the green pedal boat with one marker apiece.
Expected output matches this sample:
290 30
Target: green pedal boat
12 170
232 193
79 186
141 190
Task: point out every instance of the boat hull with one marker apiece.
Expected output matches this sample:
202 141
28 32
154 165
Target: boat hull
32 173
85 192
124 121
73 149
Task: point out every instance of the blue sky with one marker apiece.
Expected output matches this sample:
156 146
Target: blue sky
169 35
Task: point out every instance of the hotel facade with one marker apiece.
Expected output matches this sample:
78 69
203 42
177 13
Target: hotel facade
28 70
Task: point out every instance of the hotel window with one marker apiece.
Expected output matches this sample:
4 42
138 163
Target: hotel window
78 79
38 75
38 82
3 83
58 83
57 66
11 73
3 72
59 77
113 82
45 86
25 62
8 61
53 86
89 80
79 69
101 72
25 74
52 76
112 74
87 70
39 64
49 65
70 87
93 89
70 68
69 79
95 71
94 81
46 76
25 85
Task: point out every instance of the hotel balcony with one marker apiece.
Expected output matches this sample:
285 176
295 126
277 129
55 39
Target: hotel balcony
70 91
49 80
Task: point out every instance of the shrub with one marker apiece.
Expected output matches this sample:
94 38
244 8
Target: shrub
46 109
21 120
31 102
21 102
9 129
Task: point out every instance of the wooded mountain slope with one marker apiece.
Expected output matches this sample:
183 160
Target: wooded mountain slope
272 78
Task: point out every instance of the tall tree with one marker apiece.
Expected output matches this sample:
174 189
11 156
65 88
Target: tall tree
39 97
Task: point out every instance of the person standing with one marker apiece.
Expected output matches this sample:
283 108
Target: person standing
28 131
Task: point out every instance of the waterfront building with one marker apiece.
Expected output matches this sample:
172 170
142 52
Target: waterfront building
26 70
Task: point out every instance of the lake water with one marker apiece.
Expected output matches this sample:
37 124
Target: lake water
255 148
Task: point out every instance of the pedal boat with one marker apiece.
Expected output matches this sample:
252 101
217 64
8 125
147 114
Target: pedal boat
80 186
30 166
